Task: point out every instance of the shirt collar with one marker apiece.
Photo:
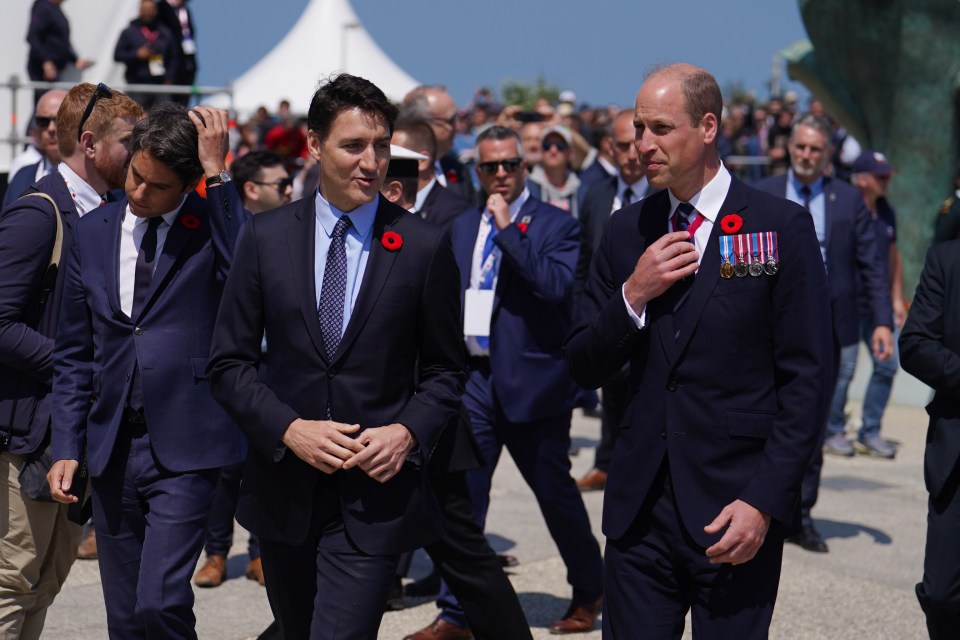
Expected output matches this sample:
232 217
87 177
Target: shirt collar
816 186
168 217
362 217
85 196
710 198
515 206
422 195
639 187
608 166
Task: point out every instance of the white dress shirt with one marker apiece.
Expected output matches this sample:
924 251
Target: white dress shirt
84 196
707 203
639 189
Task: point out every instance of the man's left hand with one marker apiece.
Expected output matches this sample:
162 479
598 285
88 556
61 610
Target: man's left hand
213 136
747 528
882 342
385 451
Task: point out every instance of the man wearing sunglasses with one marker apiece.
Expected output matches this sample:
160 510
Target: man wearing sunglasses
44 134
517 256
262 181
39 541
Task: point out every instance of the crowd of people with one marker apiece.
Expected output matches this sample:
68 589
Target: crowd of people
329 326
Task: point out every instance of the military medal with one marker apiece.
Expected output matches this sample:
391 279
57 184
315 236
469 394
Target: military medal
771 266
726 269
740 268
756 267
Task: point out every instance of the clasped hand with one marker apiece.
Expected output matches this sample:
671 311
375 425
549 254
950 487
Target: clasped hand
329 446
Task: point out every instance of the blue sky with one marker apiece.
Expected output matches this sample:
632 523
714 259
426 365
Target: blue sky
600 49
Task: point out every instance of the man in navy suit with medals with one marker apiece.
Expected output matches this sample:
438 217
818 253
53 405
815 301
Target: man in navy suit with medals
716 296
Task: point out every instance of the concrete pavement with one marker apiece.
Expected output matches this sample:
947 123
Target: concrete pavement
871 511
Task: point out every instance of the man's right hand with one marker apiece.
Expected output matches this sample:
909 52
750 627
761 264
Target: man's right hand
671 258
60 479
323 444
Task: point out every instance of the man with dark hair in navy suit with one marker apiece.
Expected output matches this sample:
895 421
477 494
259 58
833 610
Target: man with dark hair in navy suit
517 257
358 301
142 288
715 295
847 241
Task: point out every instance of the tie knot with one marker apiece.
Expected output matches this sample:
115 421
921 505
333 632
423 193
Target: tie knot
343 225
627 195
684 209
805 190
153 223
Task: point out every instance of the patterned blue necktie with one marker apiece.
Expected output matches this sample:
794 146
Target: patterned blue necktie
334 289
681 219
488 271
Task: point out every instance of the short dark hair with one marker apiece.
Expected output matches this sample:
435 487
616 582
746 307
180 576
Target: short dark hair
700 91
248 167
343 92
168 134
498 132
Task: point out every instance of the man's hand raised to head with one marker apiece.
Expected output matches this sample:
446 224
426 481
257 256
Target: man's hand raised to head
671 258
323 444
385 451
213 133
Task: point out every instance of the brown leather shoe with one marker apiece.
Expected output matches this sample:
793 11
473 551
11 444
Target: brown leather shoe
578 618
255 571
87 549
213 572
593 480
441 630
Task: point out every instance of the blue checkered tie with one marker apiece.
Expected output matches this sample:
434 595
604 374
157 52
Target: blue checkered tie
334 289
681 219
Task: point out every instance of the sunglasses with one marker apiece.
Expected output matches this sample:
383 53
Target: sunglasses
451 121
510 165
282 184
43 122
102 91
560 145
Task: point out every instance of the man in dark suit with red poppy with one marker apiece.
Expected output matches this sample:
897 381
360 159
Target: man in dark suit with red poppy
359 303
142 287
730 355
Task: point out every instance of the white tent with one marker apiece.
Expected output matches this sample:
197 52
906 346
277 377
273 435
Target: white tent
328 38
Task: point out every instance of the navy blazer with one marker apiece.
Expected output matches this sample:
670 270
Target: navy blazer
442 205
98 345
458 178
588 177
930 350
731 385
28 313
400 361
851 250
532 309
19 183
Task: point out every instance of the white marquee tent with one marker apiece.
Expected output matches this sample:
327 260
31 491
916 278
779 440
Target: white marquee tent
327 38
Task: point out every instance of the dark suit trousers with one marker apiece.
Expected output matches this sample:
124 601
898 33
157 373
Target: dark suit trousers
614 403
326 588
471 569
220 527
149 518
939 593
541 452
655 573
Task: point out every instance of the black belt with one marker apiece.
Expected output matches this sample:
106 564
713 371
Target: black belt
134 416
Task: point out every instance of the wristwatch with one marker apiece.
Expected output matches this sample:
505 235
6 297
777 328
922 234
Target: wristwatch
222 178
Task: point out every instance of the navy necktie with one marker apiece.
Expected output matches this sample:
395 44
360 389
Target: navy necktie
681 218
805 192
334 288
627 196
146 260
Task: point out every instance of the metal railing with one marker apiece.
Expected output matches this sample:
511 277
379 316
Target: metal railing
15 84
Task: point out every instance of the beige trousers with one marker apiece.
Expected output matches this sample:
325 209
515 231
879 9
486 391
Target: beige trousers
37 548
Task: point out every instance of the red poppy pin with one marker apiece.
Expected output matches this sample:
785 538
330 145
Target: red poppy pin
452 176
731 223
190 221
391 240
522 226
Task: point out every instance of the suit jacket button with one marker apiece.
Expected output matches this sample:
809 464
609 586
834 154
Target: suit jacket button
663 434
138 331
672 385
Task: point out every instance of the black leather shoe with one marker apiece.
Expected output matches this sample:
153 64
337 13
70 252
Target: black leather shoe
809 539
395 598
427 586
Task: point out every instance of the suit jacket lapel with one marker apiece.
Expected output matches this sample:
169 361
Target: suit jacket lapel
708 274
302 247
379 264
177 238
829 202
109 240
503 276
652 224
